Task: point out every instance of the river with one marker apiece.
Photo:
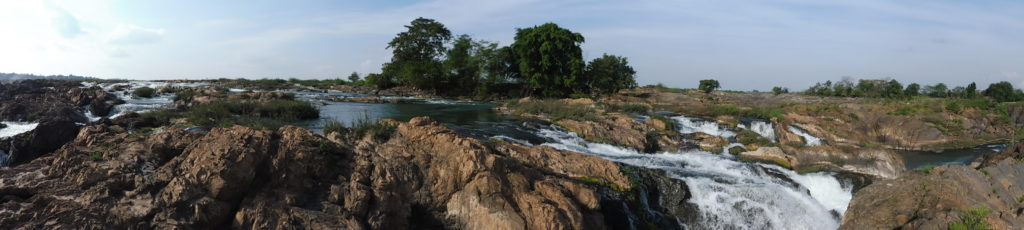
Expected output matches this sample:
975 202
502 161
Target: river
729 193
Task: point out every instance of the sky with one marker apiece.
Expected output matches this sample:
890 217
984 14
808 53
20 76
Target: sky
746 45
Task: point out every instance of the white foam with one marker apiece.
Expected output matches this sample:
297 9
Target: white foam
15 128
765 129
809 139
731 194
692 125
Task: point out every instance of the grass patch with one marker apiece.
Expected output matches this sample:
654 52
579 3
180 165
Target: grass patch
972 219
270 114
96 156
361 127
766 113
628 108
986 173
747 137
927 169
144 92
670 125
555 109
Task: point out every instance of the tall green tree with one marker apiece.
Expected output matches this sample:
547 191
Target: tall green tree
937 90
417 54
609 73
462 68
971 91
913 90
550 59
710 85
354 77
499 72
1002 92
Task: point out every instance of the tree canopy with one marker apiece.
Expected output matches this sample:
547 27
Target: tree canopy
709 85
550 59
609 74
417 54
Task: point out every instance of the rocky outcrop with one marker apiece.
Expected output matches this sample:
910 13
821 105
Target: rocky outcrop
622 130
940 197
1014 151
424 176
56 105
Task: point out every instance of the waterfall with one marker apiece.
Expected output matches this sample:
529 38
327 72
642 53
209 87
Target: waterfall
808 138
731 194
763 128
694 125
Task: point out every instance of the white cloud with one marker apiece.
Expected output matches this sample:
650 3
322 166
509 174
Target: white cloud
131 34
64 22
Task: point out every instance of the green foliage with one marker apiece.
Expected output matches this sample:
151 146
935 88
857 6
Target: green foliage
360 128
938 90
973 219
96 156
779 90
268 114
928 169
354 77
986 173
462 70
185 95
1002 92
662 88
416 55
555 109
609 73
550 60
144 92
904 111
747 137
628 108
670 125
947 127
380 81
912 90
871 88
709 85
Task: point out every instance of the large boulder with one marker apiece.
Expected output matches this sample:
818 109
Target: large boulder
941 197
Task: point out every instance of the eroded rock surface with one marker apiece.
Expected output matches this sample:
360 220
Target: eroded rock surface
425 176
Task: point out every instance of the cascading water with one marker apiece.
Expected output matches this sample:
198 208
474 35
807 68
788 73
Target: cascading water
693 125
763 128
731 194
15 128
811 140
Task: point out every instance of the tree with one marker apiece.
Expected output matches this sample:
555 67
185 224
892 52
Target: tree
971 91
892 89
1001 92
779 90
609 73
708 85
499 72
937 90
549 59
380 81
417 53
913 90
354 77
462 72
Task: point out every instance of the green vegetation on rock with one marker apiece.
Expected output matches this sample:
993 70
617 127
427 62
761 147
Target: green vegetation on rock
144 92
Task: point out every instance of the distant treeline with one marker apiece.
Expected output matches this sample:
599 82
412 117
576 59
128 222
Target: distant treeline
21 76
544 61
889 88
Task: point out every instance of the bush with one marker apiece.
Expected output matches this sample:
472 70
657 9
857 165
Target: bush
144 92
747 137
361 127
268 114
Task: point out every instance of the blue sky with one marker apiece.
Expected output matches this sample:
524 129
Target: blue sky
744 44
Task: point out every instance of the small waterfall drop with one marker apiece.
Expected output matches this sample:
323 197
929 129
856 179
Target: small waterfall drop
763 128
809 139
695 125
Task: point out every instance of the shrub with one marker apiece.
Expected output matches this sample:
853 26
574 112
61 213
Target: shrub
670 125
185 95
268 114
96 156
144 92
747 137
